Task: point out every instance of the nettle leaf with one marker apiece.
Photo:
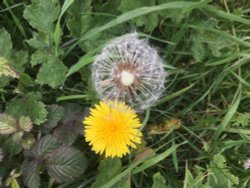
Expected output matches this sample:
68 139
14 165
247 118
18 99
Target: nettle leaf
25 123
7 124
30 173
55 114
28 106
39 57
241 119
220 174
27 141
13 144
6 69
43 147
114 167
19 59
40 41
196 182
159 181
150 21
198 49
42 14
66 163
79 17
71 125
5 43
52 73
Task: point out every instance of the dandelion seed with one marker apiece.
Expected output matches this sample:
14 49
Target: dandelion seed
129 70
247 164
112 128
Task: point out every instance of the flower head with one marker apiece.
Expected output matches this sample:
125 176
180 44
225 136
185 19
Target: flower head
112 128
129 70
247 164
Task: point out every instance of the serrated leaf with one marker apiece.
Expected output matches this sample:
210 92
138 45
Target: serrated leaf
42 14
33 108
19 59
40 41
79 17
28 141
66 163
241 119
198 49
25 123
38 57
114 167
196 182
71 124
55 114
30 173
45 146
159 181
52 73
5 43
7 124
6 69
220 174
13 144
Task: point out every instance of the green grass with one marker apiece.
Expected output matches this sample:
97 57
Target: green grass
205 45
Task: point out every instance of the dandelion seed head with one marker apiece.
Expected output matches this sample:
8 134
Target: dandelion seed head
247 164
129 70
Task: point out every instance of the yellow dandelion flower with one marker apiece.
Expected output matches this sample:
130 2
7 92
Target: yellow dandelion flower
112 128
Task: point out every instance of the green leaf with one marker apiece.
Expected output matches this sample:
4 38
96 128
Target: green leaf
150 21
28 141
5 43
241 119
33 108
159 181
139 12
7 124
58 31
190 181
13 144
40 41
198 49
52 73
79 17
230 113
55 114
30 173
156 159
71 125
45 146
39 57
25 124
114 167
42 14
19 59
220 176
66 163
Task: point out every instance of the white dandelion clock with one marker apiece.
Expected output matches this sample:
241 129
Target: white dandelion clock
247 164
129 70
